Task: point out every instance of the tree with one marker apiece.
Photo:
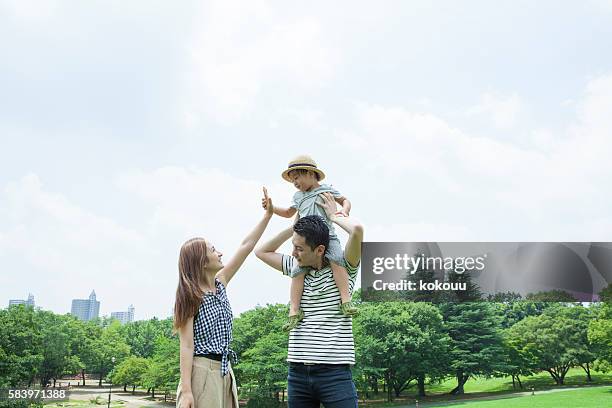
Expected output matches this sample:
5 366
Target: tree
58 349
142 335
551 342
21 346
90 353
404 342
517 361
551 296
476 344
581 349
164 369
513 311
101 350
261 346
265 363
130 371
600 331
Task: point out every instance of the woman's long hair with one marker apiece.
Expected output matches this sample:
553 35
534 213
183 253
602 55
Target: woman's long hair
192 260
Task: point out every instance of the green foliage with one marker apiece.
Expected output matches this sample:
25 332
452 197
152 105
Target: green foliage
401 342
142 335
476 347
261 346
102 349
554 341
130 371
551 296
61 336
600 332
164 370
513 311
263 402
21 345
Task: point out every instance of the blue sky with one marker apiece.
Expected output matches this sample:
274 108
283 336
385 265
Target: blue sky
127 128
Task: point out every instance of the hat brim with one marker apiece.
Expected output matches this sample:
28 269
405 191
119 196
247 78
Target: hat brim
285 174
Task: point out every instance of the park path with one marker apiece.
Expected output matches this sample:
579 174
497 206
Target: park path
496 397
131 401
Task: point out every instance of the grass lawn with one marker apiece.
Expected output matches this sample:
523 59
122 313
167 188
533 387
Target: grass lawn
543 380
482 387
575 398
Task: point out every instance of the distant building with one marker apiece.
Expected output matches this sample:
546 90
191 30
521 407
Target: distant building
29 302
124 317
86 309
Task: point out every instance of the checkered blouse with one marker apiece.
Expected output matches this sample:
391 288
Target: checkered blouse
212 326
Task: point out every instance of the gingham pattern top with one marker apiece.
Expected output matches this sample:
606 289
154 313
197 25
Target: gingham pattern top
325 335
212 326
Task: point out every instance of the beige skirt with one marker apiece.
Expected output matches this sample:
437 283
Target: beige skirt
209 388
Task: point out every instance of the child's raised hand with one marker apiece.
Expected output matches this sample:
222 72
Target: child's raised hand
266 202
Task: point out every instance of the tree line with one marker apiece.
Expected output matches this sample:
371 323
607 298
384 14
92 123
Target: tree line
399 345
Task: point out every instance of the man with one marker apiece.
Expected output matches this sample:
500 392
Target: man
321 347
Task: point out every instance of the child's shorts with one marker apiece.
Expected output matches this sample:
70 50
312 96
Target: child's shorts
334 253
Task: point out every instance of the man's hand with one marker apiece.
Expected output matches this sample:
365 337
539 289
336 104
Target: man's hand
266 203
328 205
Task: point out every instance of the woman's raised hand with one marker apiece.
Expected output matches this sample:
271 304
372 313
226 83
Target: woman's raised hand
266 203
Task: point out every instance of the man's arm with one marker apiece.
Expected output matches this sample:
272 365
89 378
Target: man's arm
267 251
352 250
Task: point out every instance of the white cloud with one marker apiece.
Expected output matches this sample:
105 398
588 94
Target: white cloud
60 251
29 10
605 5
189 201
424 143
180 203
418 232
564 176
64 251
503 111
243 48
34 214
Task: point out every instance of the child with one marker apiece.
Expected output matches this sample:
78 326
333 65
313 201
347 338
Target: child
305 176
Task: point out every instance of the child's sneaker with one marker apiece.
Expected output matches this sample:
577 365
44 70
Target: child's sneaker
293 321
349 309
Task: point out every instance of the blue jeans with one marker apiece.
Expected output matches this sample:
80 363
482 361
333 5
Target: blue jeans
329 384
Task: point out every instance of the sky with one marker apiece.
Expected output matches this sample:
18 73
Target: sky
127 128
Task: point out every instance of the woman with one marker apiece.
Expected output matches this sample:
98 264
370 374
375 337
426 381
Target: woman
203 319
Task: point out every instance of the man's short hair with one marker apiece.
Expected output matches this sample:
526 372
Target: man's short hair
314 230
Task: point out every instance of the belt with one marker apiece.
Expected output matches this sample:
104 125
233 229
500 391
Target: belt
212 356
294 364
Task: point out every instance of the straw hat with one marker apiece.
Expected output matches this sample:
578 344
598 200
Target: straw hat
302 162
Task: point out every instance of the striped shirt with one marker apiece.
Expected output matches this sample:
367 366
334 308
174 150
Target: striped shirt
325 336
212 326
